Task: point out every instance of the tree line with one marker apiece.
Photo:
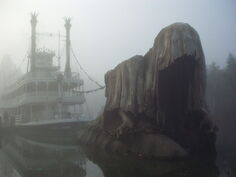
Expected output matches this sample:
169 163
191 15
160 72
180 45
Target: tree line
221 98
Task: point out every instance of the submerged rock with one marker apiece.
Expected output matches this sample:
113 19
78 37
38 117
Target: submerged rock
162 92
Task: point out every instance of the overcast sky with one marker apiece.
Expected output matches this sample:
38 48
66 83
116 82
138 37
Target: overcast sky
106 32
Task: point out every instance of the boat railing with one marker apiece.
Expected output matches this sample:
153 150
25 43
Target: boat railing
76 115
33 97
75 75
75 78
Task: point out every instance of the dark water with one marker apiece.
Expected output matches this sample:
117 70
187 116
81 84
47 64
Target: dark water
59 157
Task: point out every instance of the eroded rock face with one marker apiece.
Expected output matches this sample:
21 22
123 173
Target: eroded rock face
162 92
163 86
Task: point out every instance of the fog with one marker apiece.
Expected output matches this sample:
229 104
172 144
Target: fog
106 32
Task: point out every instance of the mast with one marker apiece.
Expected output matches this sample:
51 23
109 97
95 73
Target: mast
67 66
59 51
33 41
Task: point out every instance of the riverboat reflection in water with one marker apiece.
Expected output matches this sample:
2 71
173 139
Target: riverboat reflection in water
24 157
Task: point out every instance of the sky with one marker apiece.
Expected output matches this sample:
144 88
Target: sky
106 32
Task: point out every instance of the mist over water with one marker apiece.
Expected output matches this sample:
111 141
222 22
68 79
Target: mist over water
103 34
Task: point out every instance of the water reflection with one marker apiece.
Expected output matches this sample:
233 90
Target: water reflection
115 166
27 157
32 158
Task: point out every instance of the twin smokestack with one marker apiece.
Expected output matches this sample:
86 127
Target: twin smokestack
67 25
33 41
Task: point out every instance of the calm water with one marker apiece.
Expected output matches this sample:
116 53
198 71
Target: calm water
27 157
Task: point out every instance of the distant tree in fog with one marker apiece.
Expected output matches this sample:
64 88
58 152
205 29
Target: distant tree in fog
221 97
8 72
231 72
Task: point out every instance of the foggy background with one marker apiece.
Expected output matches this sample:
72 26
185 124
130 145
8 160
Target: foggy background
106 32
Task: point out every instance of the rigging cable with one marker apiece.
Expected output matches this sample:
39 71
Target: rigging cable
100 87
92 90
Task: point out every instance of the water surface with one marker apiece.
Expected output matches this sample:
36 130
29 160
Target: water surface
59 157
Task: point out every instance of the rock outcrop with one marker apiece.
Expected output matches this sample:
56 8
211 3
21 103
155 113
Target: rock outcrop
160 94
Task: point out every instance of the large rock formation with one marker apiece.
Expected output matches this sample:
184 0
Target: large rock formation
160 93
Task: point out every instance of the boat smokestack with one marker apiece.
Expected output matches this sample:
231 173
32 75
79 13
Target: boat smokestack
67 67
33 41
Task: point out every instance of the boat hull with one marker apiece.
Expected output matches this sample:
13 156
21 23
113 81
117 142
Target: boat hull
51 132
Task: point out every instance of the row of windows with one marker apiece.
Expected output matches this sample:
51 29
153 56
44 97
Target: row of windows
33 87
